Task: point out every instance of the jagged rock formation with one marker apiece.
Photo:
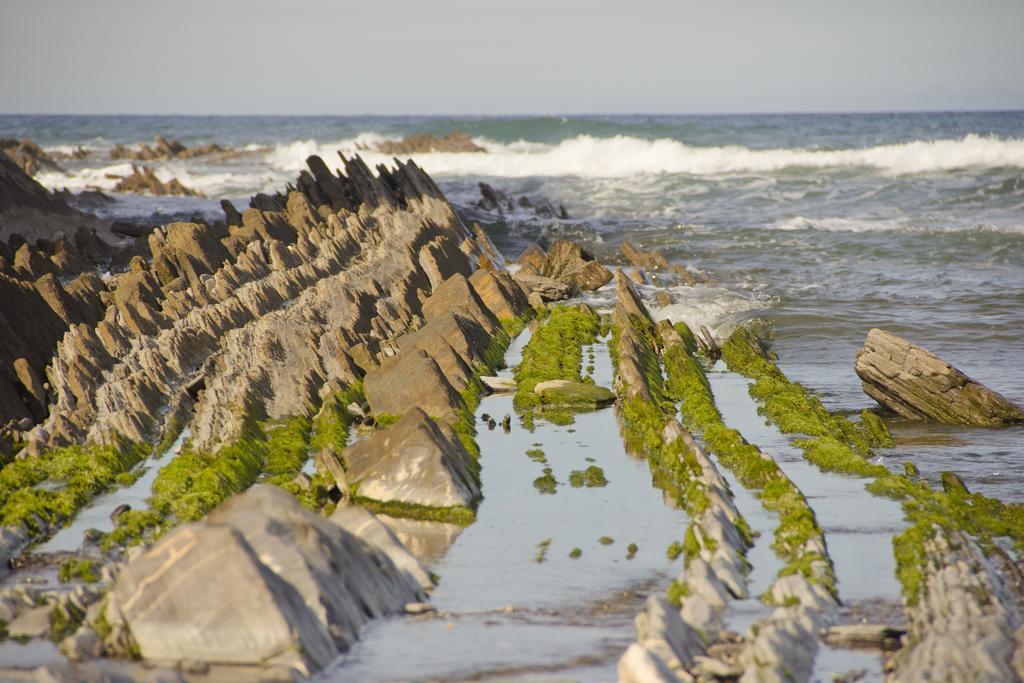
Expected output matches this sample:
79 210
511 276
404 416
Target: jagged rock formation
162 149
966 626
144 181
300 294
299 586
494 200
456 141
565 262
654 261
28 155
915 383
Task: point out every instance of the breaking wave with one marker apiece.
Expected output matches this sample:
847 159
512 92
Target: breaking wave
623 156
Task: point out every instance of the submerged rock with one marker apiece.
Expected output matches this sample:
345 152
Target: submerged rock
261 581
915 383
415 461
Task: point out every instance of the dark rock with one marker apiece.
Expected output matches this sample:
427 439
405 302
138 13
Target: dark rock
118 511
28 155
913 382
548 289
569 262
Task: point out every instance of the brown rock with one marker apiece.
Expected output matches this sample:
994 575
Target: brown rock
569 262
651 260
456 141
455 293
915 383
144 181
33 387
411 378
533 255
546 288
499 293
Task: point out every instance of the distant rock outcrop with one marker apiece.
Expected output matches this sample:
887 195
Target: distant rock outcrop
915 383
421 144
144 181
162 149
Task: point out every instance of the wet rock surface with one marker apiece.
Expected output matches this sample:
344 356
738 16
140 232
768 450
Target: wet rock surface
163 149
915 383
144 181
456 141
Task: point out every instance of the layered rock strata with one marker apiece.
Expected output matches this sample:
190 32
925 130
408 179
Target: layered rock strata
916 383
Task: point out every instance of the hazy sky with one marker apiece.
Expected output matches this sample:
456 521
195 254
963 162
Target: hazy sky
532 56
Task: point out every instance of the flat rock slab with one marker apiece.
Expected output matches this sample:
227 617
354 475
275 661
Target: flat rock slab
916 383
499 384
564 392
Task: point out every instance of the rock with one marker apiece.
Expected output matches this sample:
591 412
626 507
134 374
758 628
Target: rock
144 181
500 293
456 141
163 149
422 381
639 665
915 383
881 636
428 541
83 644
499 385
327 462
716 668
649 260
364 524
564 392
118 511
32 623
419 608
28 155
548 289
569 262
494 200
261 581
454 293
415 462
533 256
660 629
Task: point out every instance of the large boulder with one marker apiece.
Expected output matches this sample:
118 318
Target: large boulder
502 295
261 581
455 341
456 292
916 383
414 461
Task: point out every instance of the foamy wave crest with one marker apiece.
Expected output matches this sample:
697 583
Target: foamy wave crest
622 156
211 184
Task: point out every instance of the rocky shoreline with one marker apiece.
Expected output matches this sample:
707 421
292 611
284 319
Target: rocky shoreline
303 381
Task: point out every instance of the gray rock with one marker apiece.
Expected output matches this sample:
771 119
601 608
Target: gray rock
640 665
414 461
31 623
915 383
260 581
363 524
661 623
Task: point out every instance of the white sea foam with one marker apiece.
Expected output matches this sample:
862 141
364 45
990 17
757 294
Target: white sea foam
622 156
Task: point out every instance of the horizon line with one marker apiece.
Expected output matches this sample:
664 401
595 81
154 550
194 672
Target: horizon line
463 115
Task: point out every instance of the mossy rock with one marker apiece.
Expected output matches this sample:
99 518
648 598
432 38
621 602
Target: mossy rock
564 392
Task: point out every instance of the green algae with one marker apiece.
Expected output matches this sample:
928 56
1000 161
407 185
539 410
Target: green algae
677 590
555 351
542 550
606 540
674 550
546 483
592 477
83 472
840 446
575 553
631 551
74 569
456 514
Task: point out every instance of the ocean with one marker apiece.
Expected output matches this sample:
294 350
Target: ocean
821 225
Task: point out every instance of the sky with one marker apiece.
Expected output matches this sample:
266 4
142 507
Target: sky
528 56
